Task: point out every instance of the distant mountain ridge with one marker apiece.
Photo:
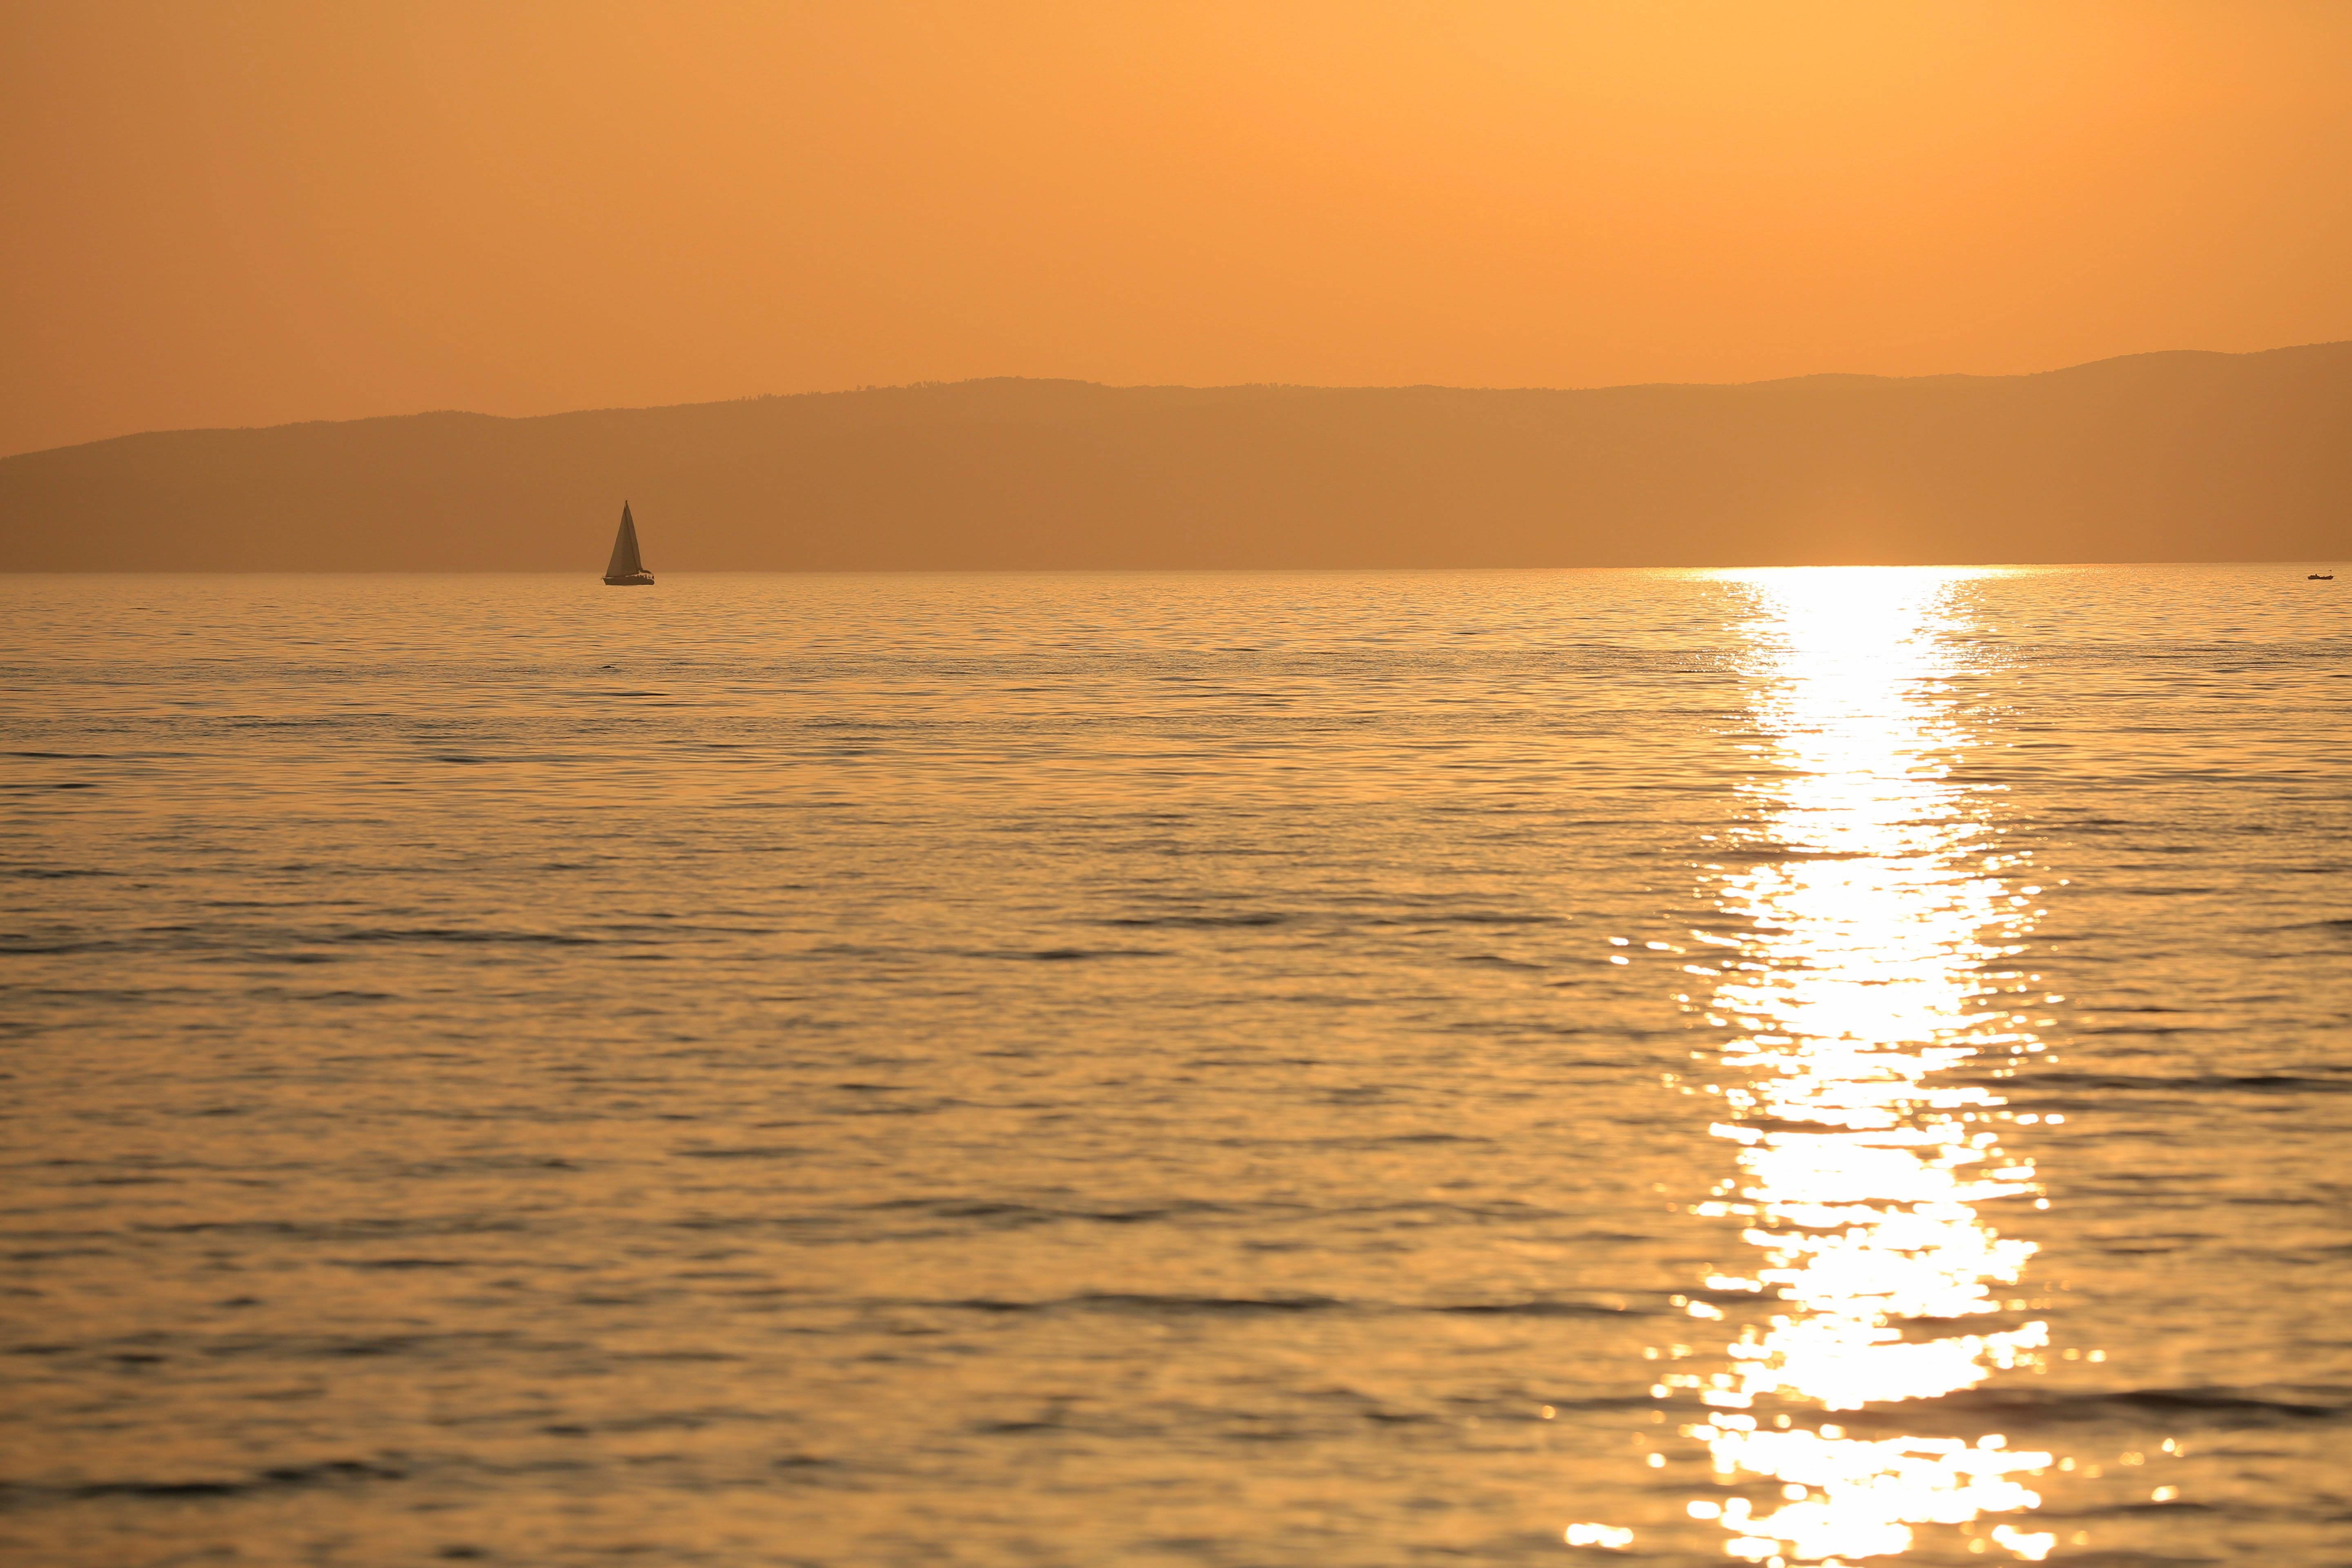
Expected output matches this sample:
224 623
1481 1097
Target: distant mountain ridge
2178 456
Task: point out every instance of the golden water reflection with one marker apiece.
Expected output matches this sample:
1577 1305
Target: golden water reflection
1870 922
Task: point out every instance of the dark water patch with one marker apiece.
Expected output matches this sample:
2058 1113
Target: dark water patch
1149 1303
458 935
1497 917
279 994
1530 1308
1374 1141
662 1421
667 925
747 1152
1202 922
456 1348
334 1230
1018 1213
2017 1407
1069 954
1188 1304
332 1472
1498 1209
170 1489
2150 1083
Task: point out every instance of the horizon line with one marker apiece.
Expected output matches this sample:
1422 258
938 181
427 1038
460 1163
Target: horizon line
1158 571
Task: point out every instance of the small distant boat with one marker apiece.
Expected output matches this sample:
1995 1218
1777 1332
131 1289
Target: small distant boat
627 568
2320 577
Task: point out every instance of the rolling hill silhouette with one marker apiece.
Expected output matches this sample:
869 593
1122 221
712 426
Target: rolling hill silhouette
2163 457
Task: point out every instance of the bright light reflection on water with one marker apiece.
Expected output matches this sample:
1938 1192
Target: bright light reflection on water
1870 924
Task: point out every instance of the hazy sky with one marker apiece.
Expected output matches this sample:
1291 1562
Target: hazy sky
248 212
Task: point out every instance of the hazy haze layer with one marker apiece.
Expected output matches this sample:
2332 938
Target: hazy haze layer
2178 456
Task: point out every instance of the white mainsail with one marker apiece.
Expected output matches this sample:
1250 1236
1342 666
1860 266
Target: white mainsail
626 563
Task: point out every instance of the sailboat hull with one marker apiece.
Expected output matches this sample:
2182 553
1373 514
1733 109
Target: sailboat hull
631 580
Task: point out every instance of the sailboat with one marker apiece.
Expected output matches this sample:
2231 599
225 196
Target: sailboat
627 568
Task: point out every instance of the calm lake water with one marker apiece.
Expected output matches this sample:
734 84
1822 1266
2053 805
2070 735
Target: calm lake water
1807 1067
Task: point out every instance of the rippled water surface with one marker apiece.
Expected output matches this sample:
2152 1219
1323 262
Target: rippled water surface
1817 1068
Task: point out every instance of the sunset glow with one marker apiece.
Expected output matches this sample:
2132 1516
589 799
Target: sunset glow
281 211
1175 783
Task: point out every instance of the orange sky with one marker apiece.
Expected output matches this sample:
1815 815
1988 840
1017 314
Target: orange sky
247 212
